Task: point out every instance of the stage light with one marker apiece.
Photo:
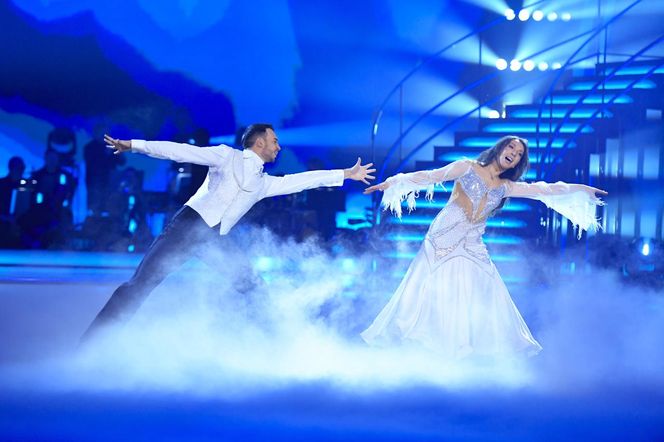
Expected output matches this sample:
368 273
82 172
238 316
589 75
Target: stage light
524 15
542 65
501 64
645 248
515 65
509 14
552 16
528 65
538 15
565 16
494 114
556 65
264 264
348 264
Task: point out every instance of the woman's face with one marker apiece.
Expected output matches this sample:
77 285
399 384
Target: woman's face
511 155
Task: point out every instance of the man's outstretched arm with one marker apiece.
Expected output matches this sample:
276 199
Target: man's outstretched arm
166 150
318 178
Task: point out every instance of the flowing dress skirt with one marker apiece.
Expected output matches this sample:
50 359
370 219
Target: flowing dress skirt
458 308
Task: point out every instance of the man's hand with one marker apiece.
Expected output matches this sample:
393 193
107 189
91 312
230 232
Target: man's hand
119 145
359 172
382 186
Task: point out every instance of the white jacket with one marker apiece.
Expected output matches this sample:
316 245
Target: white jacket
235 180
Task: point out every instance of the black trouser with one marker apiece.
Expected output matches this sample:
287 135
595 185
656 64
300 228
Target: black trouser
185 237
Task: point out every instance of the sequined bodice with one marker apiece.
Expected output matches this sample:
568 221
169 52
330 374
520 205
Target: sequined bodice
476 189
457 230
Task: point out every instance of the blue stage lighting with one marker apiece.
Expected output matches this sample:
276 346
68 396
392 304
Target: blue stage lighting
542 65
612 85
565 16
590 99
348 264
531 127
524 14
515 65
501 64
528 65
552 16
556 65
634 70
509 14
538 15
264 264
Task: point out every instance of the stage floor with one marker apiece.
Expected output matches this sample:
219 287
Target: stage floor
234 383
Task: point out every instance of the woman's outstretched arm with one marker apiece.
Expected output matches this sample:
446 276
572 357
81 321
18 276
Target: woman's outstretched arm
406 186
576 202
536 190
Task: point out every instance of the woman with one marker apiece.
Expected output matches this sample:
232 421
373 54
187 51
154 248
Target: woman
452 298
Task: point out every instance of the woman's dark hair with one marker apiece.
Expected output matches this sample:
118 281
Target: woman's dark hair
514 174
252 132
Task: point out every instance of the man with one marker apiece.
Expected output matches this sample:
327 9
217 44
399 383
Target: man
9 187
234 183
49 220
100 170
10 183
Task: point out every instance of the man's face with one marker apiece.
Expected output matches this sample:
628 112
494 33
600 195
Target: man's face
267 146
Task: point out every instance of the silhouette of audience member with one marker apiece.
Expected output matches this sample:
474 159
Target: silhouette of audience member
100 170
127 214
9 183
62 140
324 203
9 232
49 219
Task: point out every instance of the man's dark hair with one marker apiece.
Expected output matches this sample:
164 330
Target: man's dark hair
254 131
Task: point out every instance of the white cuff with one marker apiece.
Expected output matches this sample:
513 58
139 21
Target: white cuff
138 145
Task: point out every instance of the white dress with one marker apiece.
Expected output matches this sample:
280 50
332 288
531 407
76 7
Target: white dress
452 299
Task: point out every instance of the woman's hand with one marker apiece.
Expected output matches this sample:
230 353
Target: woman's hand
380 187
594 191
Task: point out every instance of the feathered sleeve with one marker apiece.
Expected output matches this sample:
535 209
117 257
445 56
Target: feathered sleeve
407 186
573 201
